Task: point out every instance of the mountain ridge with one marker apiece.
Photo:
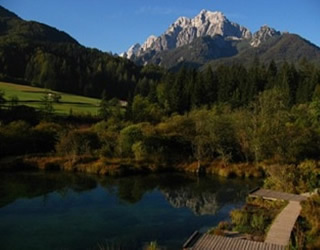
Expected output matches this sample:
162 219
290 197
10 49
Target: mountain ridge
184 30
12 25
181 43
39 55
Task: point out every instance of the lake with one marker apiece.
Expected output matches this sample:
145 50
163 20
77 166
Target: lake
54 210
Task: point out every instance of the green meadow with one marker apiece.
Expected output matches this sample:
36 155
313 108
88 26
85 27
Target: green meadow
32 96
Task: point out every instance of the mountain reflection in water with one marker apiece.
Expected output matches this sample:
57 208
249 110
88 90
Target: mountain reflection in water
48 210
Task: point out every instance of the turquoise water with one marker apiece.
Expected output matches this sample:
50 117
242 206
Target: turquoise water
68 211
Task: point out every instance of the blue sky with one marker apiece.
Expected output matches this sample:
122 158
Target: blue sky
117 24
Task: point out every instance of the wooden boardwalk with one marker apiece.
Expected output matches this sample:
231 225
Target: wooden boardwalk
214 242
275 195
277 238
280 230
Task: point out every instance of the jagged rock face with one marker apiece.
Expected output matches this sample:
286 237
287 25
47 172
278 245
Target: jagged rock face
203 204
185 30
196 41
263 35
148 43
133 50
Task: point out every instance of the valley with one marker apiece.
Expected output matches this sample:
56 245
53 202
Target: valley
139 150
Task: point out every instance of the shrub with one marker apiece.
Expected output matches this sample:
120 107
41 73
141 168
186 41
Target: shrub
240 219
258 222
16 139
139 151
129 136
78 142
307 233
309 176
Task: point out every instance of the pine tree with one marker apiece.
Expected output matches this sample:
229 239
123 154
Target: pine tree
272 72
47 106
104 111
210 86
178 99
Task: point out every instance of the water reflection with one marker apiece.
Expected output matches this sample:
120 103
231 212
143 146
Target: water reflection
74 211
15 186
203 196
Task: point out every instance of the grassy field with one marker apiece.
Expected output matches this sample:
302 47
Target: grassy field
32 96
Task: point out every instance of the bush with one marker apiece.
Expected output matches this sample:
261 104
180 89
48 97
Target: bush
309 224
139 151
128 137
309 176
304 177
108 136
78 142
240 219
258 222
256 216
16 139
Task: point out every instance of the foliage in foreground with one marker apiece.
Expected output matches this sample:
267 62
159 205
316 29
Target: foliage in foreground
301 178
252 220
307 230
256 216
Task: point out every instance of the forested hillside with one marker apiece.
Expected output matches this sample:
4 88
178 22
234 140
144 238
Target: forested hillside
39 55
251 115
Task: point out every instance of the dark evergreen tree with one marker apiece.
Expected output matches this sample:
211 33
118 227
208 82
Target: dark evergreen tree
177 98
272 72
210 86
104 112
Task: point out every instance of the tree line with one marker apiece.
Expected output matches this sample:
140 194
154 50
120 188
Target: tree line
234 85
232 114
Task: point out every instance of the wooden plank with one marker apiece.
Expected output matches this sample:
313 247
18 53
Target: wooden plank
235 243
204 242
280 230
214 240
253 245
192 239
248 244
270 194
242 243
228 243
210 242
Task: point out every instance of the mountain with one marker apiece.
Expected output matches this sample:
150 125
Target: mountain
36 54
13 27
285 47
4 13
262 35
195 54
210 36
204 203
186 30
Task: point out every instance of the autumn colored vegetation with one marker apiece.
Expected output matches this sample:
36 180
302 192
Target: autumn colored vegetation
231 121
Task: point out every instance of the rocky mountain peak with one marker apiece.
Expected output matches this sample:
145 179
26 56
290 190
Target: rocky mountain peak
182 22
149 42
214 17
185 30
263 34
132 51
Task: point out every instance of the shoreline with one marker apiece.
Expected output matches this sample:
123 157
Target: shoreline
123 167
